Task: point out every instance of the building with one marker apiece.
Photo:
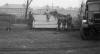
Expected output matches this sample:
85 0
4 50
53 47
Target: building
15 9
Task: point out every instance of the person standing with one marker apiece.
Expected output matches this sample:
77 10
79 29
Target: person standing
64 22
69 22
59 23
30 20
47 15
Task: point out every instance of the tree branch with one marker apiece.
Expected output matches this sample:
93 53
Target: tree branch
29 2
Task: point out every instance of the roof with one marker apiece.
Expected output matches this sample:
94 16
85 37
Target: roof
13 6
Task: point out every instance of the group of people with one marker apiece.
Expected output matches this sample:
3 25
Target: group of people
63 21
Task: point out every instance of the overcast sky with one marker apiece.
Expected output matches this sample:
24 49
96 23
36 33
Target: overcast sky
40 3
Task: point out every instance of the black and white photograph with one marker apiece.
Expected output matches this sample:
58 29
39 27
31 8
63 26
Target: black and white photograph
49 26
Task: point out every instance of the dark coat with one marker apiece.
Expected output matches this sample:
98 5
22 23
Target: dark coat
31 19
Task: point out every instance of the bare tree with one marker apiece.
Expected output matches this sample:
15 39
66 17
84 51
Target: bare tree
28 2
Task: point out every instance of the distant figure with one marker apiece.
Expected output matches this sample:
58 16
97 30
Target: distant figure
59 23
47 15
69 22
64 23
30 20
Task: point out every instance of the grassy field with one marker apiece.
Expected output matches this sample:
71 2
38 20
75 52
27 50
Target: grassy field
25 39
